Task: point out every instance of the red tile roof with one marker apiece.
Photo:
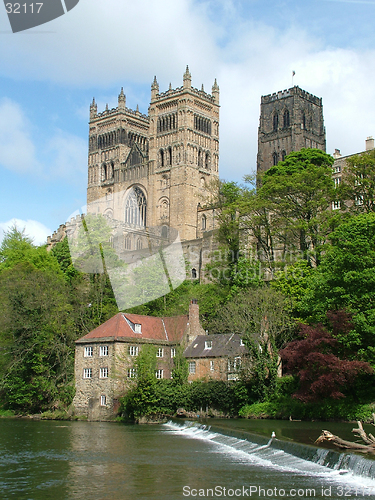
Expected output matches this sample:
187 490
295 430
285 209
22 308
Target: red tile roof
122 325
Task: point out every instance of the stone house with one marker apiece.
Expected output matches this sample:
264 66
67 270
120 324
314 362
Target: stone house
215 357
104 358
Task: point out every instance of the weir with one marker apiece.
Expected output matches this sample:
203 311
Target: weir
290 457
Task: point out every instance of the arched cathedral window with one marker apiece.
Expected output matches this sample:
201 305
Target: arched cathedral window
286 119
275 160
161 158
204 222
135 207
275 122
283 155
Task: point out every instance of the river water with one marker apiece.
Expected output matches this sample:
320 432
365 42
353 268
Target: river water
42 460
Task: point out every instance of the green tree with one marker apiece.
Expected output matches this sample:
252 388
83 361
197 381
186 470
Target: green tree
346 280
37 336
142 400
298 192
17 247
261 317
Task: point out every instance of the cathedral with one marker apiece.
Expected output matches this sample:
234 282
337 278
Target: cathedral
150 173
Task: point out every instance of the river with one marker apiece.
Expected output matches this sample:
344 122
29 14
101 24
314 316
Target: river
43 460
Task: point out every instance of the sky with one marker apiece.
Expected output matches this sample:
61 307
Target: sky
50 74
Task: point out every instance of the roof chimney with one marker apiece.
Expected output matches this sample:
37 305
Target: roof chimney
337 153
195 328
369 143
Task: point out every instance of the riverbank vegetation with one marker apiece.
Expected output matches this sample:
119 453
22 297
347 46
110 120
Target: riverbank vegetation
294 278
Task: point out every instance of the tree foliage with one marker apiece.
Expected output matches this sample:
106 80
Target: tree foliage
36 340
314 360
346 280
298 192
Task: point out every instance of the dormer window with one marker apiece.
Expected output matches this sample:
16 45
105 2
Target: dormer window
137 328
208 344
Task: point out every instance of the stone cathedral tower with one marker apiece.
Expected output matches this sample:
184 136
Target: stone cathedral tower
152 170
289 121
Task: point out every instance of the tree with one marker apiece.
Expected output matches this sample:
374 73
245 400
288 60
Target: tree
346 280
298 193
314 360
37 335
358 183
261 317
17 247
141 400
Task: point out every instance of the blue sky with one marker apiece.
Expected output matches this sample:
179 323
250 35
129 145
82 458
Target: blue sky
49 75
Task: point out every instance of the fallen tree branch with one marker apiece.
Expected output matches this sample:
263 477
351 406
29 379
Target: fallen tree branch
369 439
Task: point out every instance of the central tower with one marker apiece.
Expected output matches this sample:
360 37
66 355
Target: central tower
289 121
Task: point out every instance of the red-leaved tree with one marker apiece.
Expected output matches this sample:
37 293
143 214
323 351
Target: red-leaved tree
314 360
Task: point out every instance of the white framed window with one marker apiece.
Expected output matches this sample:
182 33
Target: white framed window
241 343
137 328
103 372
88 352
87 373
237 363
159 374
192 367
208 344
132 372
359 199
336 205
160 352
103 400
173 352
212 366
133 350
103 350
337 181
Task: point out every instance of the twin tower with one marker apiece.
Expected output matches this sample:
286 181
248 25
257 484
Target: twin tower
154 170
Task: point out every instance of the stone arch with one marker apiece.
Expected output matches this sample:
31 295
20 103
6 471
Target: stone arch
207 161
164 209
136 207
286 119
275 122
170 156
161 155
128 242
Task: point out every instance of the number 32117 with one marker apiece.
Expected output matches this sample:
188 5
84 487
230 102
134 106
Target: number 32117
17 8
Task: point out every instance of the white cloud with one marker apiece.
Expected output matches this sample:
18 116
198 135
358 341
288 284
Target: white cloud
62 155
37 231
17 150
101 43
68 155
